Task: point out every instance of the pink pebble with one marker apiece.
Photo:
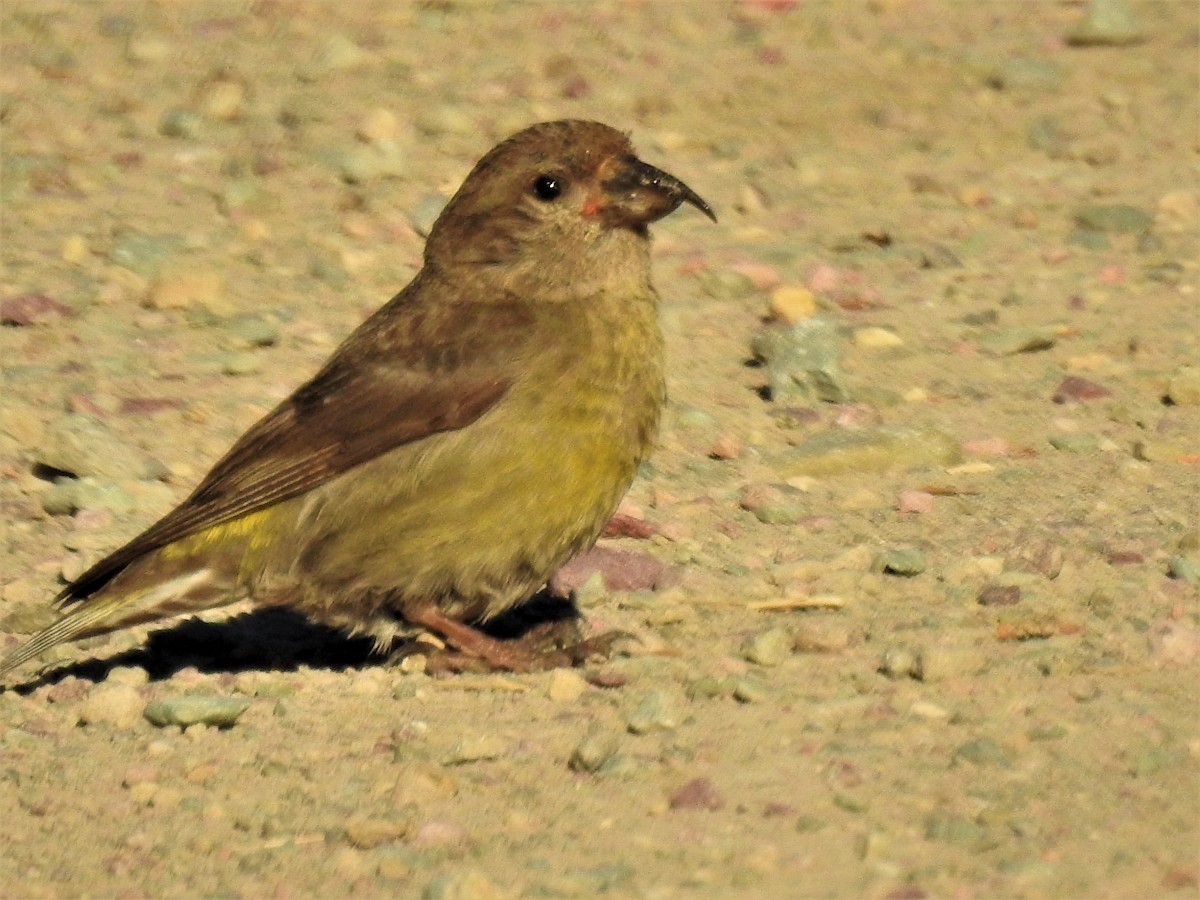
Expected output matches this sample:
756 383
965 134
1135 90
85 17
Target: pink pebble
763 276
1074 389
699 793
30 309
989 446
823 278
915 502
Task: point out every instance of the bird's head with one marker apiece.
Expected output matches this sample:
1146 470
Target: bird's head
560 200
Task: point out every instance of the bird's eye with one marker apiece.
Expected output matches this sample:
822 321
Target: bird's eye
547 187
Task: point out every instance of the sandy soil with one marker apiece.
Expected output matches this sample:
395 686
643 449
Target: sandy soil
201 199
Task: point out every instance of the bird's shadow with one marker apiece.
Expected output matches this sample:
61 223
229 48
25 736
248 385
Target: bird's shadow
276 639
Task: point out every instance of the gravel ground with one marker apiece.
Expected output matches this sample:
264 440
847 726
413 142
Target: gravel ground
912 578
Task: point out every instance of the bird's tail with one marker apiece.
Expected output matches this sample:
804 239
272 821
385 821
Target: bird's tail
116 607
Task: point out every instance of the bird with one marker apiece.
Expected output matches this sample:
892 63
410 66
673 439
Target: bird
467 439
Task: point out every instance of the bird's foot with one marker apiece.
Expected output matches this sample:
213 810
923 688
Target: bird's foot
552 645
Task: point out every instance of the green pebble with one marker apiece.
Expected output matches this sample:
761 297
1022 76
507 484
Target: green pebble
1089 240
1116 217
850 803
1047 733
780 514
144 254
906 562
593 752
952 829
875 449
181 123
239 363
709 687
221 712
691 417
804 360
656 712
1107 23
749 691
807 824
1075 443
1184 569
983 752
69 495
253 330
1152 761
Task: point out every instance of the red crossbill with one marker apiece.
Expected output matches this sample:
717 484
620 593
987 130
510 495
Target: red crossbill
465 441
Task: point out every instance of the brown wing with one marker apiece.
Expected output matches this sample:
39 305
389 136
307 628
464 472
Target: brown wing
407 373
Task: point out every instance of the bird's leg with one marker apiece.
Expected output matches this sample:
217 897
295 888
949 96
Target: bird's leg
509 656
541 648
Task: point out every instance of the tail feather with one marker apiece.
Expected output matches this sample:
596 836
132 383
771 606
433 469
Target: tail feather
108 611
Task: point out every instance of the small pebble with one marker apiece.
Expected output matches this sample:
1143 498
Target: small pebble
189 290
879 448
338 54
939 663
1074 389
85 445
1162 449
1038 555
746 690
119 705
920 502
709 687
1184 387
368 833
253 330
32 309
898 662
699 793
1187 570
656 712
1017 339
791 303
219 712
477 749
874 338
999 595
1075 443
222 99
768 648
566 686
821 636
181 123
983 751
803 360
147 48
906 561
598 746
377 126
1107 23
239 363
1113 218
464 885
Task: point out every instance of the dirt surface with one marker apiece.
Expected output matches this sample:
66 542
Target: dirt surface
969 672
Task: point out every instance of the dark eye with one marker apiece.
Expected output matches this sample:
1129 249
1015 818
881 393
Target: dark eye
547 187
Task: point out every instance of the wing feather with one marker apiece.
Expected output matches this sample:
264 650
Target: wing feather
408 372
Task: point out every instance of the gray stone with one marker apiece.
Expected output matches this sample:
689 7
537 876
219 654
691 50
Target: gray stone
803 361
